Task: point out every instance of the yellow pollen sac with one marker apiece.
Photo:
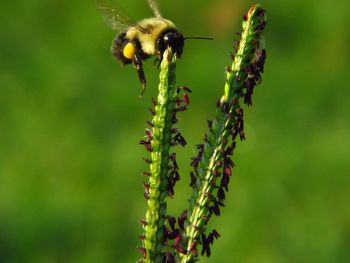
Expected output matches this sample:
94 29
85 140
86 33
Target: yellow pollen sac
129 50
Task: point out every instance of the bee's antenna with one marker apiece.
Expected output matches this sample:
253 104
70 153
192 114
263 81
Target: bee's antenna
205 38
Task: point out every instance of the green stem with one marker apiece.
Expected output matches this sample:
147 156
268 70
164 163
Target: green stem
159 168
219 133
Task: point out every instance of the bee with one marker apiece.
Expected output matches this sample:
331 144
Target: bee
137 41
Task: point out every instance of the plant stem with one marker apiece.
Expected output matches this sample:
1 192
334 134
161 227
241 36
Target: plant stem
159 166
227 117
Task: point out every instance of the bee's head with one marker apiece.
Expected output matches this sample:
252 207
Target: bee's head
171 38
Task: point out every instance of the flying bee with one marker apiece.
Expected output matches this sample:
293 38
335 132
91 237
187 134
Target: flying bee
136 42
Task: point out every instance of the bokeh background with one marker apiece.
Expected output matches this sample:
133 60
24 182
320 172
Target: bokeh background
71 119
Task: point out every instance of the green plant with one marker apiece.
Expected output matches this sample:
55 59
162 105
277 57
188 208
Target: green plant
165 238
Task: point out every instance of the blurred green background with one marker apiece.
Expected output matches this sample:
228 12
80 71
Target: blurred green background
71 119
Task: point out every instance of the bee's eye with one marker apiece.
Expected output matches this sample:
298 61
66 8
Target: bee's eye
166 38
173 39
129 50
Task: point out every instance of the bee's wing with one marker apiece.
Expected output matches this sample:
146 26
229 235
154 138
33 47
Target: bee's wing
154 6
115 17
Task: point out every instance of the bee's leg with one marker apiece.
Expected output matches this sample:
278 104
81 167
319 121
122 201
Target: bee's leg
157 62
137 60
